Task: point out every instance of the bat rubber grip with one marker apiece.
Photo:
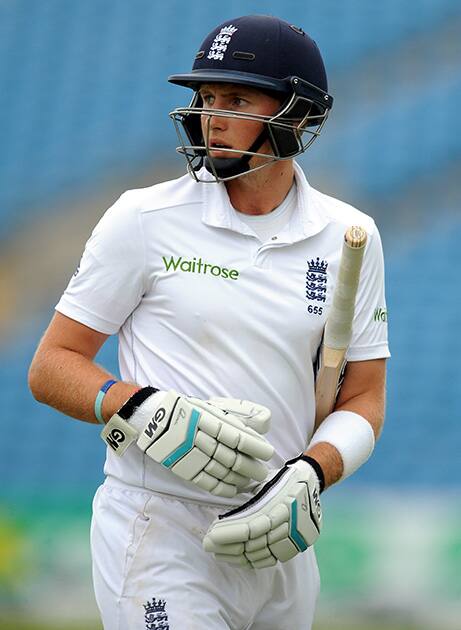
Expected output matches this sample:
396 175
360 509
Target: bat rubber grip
338 329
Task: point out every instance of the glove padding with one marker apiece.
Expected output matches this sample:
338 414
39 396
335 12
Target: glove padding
283 519
200 441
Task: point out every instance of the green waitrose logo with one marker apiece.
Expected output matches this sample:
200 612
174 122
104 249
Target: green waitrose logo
380 315
197 265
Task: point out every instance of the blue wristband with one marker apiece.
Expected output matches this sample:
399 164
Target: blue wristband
100 397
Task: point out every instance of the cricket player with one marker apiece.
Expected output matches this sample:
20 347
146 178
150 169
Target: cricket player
218 285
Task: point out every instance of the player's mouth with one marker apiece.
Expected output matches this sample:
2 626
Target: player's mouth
220 149
219 145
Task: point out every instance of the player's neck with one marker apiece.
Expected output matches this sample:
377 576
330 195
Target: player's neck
262 191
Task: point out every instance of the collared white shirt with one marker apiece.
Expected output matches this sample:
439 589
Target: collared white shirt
200 305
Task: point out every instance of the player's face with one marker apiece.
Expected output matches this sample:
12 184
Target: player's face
234 133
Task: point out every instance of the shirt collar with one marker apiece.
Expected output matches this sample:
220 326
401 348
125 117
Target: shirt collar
308 219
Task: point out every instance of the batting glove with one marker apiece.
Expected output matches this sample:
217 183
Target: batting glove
211 444
283 519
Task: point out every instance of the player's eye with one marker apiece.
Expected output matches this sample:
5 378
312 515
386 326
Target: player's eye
208 99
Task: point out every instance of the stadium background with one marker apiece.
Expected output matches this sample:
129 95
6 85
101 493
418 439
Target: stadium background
84 108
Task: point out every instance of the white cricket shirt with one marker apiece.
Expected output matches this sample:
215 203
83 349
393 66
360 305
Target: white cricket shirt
200 305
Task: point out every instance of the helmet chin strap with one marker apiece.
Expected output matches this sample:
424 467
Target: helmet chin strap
230 167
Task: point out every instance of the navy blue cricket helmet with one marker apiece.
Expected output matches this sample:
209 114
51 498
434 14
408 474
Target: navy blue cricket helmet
268 54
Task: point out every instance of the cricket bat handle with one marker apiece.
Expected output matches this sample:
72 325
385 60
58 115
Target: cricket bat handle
338 329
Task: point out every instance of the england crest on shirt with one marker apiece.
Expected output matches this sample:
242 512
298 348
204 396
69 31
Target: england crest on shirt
316 280
155 616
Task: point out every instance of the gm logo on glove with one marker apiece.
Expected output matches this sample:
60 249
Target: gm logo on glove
118 434
115 438
152 427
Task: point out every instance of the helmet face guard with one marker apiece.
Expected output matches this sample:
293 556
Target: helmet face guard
269 55
290 131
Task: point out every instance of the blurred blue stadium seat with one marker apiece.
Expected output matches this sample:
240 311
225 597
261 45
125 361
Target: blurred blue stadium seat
404 138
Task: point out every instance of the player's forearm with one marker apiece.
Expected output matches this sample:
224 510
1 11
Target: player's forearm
364 392
369 406
69 382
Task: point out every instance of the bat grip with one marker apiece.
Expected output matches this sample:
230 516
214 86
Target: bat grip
338 329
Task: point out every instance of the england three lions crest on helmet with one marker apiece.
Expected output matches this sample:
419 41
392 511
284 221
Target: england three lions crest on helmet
220 43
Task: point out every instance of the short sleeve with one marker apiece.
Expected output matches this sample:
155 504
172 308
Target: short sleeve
369 332
110 280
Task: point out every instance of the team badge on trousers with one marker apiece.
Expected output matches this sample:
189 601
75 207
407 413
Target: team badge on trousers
155 616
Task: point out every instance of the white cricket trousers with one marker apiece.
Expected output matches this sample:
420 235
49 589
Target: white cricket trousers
151 573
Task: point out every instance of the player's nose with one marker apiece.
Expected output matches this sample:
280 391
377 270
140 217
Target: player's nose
218 123
215 122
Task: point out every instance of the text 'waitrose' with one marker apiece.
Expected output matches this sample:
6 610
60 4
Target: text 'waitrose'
198 266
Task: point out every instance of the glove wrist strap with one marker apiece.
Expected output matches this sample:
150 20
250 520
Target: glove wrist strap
118 432
316 466
128 409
